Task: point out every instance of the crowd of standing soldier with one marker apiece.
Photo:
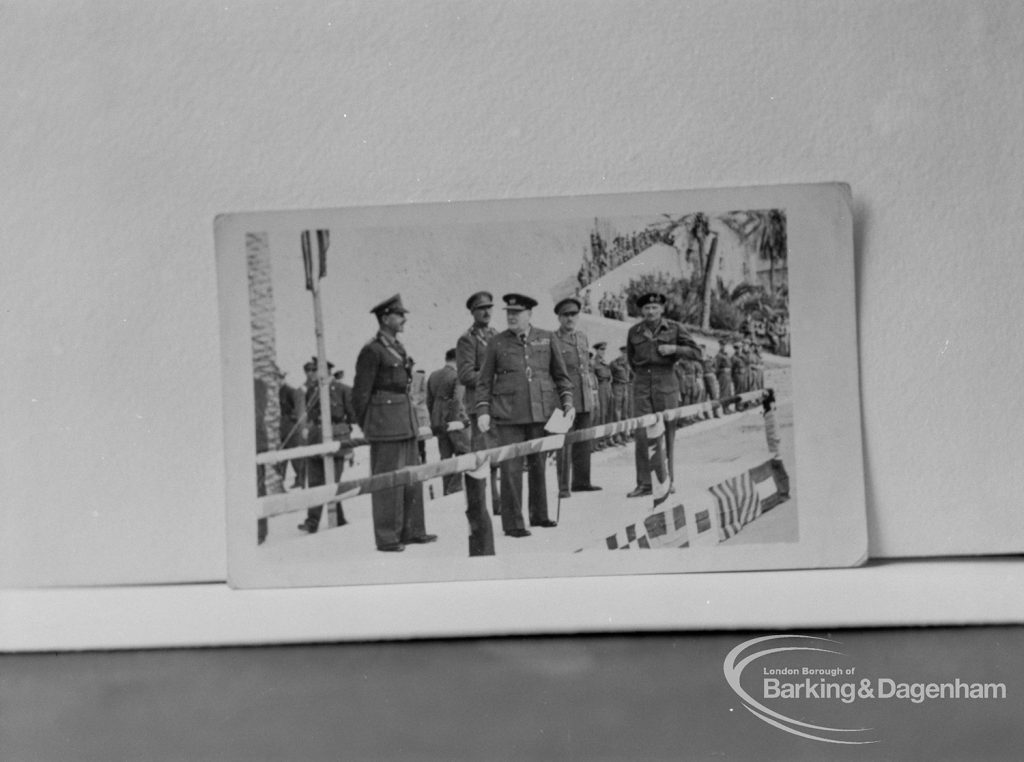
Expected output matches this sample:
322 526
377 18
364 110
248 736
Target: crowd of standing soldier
499 388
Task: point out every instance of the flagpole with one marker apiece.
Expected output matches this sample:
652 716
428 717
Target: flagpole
322 373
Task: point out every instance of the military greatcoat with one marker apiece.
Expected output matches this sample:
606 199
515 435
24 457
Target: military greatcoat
522 380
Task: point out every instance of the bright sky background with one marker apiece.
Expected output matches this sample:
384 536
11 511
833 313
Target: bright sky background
435 267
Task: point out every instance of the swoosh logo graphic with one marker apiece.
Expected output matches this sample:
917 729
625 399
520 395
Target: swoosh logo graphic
733 669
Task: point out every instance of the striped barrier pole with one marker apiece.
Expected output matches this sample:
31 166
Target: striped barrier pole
328 448
479 462
275 505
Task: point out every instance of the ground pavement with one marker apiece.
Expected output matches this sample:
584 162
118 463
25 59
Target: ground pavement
707 452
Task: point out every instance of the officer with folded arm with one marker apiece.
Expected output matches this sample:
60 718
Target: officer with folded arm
653 346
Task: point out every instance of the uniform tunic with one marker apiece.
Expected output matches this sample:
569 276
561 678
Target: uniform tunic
380 397
622 376
656 386
521 382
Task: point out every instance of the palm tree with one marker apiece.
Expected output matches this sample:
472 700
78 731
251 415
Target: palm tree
697 228
764 232
264 365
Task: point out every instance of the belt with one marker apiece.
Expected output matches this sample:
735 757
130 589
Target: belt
391 389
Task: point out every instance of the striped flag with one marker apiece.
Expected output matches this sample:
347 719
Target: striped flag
767 486
739 503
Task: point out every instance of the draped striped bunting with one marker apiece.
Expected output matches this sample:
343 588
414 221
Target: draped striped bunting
735 502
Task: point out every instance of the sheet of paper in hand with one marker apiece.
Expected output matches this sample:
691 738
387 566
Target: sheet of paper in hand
705 339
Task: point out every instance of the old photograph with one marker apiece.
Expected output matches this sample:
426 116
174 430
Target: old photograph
525 388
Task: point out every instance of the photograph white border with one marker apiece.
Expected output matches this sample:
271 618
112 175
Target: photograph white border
827 430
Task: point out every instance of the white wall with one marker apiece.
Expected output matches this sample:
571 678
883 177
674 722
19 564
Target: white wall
127 126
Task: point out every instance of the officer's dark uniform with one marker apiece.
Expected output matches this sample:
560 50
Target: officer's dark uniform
575 350
622 392
656 385
723 370
603 373
445 406
380 396
469 356
740 369
342 418
522 381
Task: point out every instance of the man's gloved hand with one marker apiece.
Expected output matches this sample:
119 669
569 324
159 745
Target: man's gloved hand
483 423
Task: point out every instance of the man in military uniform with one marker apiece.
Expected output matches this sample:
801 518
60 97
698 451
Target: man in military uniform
447 418
723 369
469 356
711 383
574 459
756 366
653 346
384 410
603 373
342 418
291 401
740 369
522 380
622 393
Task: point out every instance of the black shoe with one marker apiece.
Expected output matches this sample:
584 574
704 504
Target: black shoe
519 533
564 493
586 488
640 492
309 525
396 548
421 540
546 523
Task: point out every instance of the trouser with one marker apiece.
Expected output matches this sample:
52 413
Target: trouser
477 488
620 395
725 389
512 478
397 511
651 395
481 533
451 443
604 398
643 464
574 459
315 477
